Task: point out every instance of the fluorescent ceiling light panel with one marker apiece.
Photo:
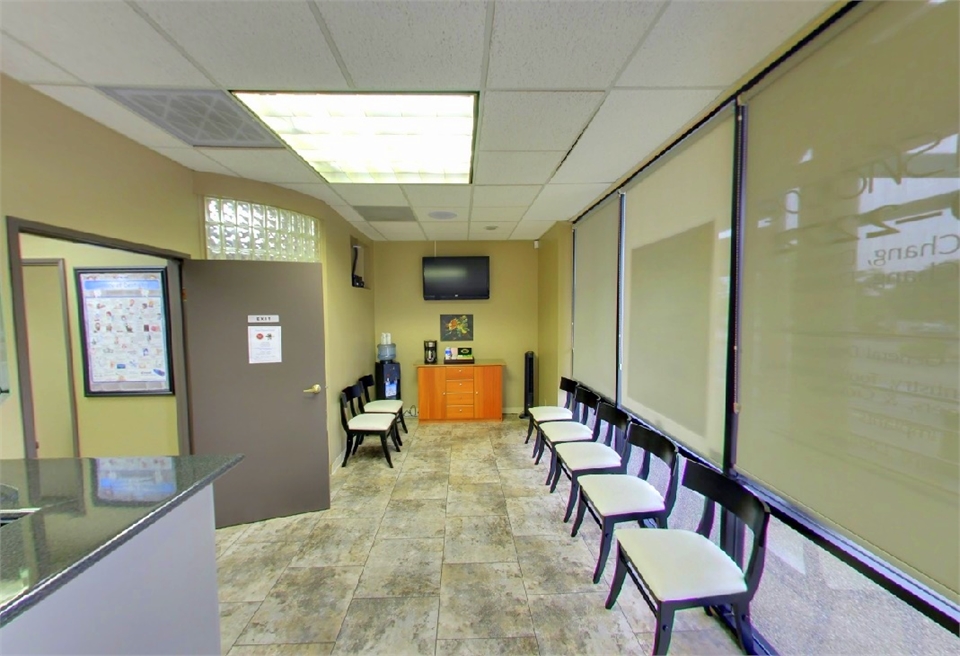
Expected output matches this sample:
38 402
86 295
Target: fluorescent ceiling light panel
375 138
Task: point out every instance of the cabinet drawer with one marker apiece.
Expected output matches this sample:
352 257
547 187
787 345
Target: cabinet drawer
455 386
459 398
458 373
460 411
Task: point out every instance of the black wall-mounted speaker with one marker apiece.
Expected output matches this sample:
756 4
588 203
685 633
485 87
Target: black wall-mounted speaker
527 383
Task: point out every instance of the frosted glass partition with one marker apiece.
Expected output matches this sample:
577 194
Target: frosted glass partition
677 287
849 373
595 298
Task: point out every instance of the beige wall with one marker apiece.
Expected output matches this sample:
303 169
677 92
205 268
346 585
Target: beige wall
61 168
105 422
555 310
505 325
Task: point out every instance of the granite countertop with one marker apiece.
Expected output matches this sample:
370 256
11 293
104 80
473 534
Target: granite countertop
84 509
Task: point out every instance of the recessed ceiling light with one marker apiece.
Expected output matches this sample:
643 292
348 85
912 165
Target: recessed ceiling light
489 227
442 215
375 138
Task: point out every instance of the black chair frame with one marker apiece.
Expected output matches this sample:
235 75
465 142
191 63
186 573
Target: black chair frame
652 444
585 402
752 513
367 381
617 421
567 385
355 437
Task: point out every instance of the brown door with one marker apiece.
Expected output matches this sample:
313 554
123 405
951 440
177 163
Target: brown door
240 319
488 386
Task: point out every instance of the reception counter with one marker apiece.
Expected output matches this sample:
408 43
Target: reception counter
109 555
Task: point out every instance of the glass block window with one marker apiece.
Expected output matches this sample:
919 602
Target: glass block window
238 230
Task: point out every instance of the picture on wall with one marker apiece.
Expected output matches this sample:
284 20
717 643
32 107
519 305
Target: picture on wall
456 327
124 331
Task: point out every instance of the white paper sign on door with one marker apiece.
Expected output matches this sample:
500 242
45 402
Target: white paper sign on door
264 344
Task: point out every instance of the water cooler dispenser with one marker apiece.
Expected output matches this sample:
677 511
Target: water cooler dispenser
386 372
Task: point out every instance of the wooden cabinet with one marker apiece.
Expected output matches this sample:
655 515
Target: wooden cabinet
460 392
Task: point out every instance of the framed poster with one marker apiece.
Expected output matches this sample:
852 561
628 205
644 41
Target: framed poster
125 333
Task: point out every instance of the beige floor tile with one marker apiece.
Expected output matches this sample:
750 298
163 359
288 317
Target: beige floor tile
524 482
247 571
233 619
402 568
361 501
413 518
483 600
537 516
516 457
307 605
421 485
475 475
307 649
227 537
488 647
473 500
579 624
282 529
389 627
478 540
338 543
553 565
714 641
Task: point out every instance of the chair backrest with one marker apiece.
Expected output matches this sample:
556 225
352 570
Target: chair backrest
345 400
655 444
616 421
753 512
366 382
585 402
568 386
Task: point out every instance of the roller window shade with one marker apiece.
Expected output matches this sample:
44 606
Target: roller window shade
597 243
676 289
849 359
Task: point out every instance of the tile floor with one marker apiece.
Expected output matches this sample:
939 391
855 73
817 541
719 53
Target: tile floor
460 549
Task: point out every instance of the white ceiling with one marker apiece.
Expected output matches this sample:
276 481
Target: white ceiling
573 93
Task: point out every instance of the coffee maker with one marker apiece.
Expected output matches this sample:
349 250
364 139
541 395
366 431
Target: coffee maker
430 351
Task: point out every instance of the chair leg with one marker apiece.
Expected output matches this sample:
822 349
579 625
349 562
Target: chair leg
606 539
744 629
529 431
574 493
618 577
395 436
537 446
386 450
661 643
581 511
553 466
356 444
557 470
346 454
403 422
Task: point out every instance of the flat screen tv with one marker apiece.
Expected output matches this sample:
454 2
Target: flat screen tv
456 278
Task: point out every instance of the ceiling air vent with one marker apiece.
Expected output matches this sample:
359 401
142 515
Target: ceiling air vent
200 117
386 213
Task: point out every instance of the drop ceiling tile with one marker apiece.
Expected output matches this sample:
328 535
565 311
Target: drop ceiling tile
21 63
438 195
565 45
498 167
409 46
491 231
559 202
504 195
274 165
252 45
447 231
194 160
319 190
350 214
498 213
528 230
423 214
367 230
102 43
535 120
630 125
102 109
714 43
395 231
370 194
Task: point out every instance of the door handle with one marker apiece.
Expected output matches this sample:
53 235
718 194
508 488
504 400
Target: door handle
312 390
